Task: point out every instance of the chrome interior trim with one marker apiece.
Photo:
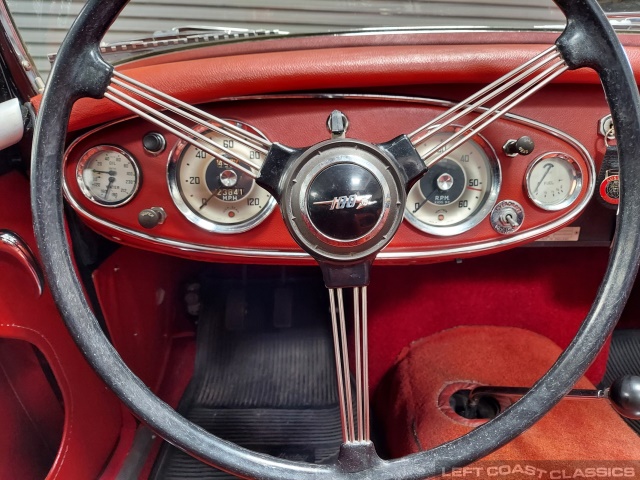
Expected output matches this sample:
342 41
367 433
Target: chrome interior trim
162 98
163 121
344 353
14 245
19 50
174 123
498 110
358 354
405 255
339 367
491 91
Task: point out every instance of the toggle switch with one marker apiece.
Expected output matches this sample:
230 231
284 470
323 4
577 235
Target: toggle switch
507 217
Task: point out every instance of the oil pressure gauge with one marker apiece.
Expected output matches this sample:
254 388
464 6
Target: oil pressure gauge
553 181
108 176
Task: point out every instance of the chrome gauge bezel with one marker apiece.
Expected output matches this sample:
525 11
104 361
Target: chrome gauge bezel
173 167
86 156
576 185
488 202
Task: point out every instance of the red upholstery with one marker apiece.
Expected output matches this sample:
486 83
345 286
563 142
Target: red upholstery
575 430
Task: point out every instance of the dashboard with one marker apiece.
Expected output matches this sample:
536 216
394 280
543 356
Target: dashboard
112 178
524 177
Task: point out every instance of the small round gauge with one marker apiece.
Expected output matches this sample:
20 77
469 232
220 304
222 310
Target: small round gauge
108 175
213 194
553 181
459 191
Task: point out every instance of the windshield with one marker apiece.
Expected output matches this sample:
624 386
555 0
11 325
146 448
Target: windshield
43 23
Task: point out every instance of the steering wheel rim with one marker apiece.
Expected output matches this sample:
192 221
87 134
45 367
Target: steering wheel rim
588 41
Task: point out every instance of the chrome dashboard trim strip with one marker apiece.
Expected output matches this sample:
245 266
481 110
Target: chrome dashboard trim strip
14 245
405 255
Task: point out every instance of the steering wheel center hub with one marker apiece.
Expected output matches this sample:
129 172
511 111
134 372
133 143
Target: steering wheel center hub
343 200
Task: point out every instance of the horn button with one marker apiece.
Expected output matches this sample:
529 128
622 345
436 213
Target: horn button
345 202
343 199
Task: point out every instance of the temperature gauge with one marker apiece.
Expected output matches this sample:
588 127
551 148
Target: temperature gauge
108 176
553 181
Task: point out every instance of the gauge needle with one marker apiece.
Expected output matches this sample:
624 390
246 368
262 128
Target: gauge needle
548 166
110 172
421 205
204 204
106 193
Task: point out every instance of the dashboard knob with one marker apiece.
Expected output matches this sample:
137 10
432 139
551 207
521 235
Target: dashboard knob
507 217
151 217
154 143
624 395
523 146
337 124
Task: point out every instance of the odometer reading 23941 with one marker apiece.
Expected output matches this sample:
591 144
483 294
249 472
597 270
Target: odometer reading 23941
213 194
459 191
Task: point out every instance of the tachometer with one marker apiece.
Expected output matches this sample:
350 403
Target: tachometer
213 194
458 192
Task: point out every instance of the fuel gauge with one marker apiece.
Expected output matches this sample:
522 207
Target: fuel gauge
553 181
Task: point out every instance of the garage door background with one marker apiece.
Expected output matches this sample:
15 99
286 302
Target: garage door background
43 23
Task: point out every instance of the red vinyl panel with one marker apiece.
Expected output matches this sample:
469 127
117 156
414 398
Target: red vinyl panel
203 80
32 415
92 414
141 296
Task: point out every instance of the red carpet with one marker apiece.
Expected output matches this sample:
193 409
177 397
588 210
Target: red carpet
575 430
545 290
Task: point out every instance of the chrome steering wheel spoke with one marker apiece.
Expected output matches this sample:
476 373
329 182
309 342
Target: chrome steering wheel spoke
531 76
123 91
354 417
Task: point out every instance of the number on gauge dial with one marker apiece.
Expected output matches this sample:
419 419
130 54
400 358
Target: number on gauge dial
459 191
213 194
108 175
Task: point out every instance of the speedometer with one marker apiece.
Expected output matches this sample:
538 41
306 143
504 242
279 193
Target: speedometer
458 192
213 194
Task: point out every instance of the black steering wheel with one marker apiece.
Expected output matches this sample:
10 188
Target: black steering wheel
80 71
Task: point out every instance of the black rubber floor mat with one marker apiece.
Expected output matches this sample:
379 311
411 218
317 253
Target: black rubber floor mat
624 359
272 390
